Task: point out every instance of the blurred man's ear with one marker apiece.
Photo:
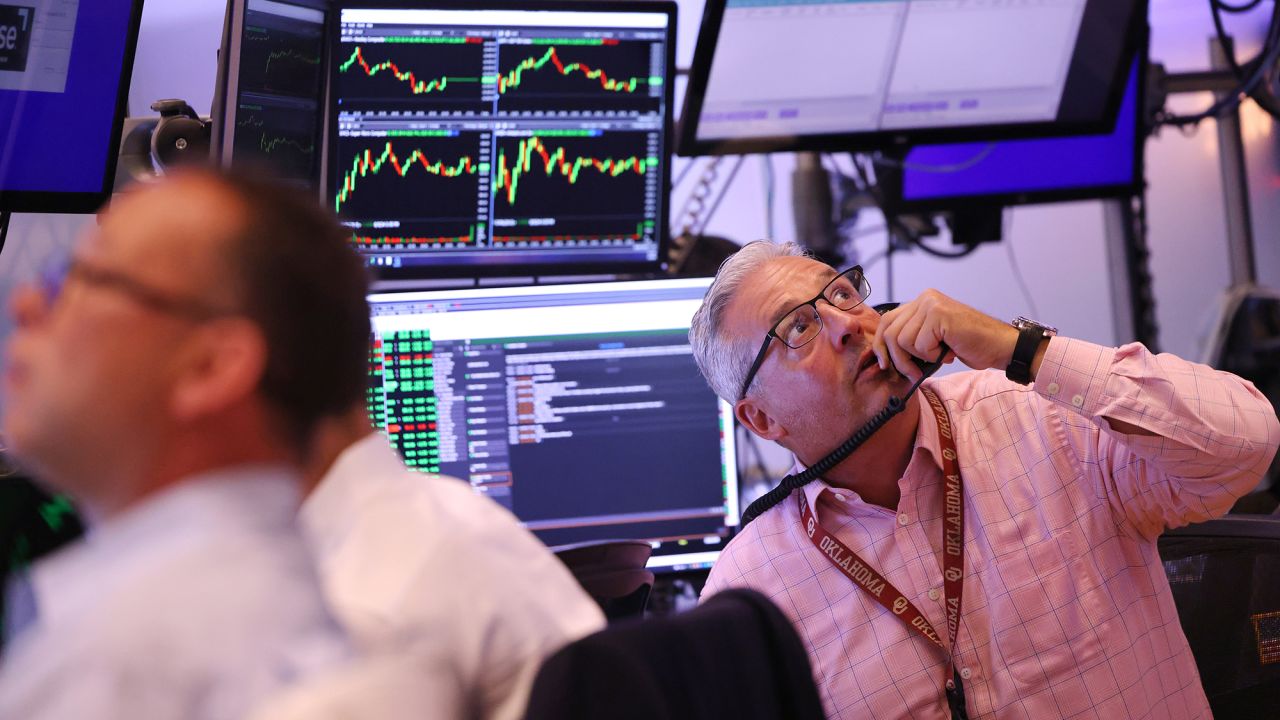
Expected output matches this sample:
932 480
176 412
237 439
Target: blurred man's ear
220 365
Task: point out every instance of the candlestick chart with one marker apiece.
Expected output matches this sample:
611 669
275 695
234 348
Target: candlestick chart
562 186
412 191
582 75
436 74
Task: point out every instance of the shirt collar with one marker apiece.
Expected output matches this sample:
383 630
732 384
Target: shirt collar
926 443
261 496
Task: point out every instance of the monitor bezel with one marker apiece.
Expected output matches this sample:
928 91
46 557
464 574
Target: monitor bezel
55 201
428 272
227 86
688 144
1136 185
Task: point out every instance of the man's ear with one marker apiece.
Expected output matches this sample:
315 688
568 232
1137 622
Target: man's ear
222 365
757 419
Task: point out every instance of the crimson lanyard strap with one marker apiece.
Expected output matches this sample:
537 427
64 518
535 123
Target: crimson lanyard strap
875 585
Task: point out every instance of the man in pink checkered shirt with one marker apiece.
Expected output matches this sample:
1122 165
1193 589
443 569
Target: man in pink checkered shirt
1067 482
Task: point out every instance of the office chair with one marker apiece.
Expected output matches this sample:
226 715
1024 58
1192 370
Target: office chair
1246 341
613 573
1225 578
735 656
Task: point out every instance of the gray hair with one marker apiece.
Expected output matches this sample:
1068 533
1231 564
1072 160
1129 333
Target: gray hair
724 360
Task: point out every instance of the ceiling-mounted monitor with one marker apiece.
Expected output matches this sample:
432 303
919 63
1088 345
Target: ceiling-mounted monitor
64 81
1018 172
841 75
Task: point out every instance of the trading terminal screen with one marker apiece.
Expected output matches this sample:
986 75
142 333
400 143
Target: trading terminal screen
578 407
272 115
477 140
884 70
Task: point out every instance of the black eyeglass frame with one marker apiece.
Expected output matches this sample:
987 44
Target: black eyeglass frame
861 285
56 277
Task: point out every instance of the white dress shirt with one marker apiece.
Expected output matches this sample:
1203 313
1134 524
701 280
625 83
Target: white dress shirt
422 564
195 604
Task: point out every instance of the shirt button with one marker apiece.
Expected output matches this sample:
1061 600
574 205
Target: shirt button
933 593
965 673
1078 400
903 519
1053 388
840 497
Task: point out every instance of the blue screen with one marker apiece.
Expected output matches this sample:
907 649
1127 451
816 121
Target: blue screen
61 68
1029 166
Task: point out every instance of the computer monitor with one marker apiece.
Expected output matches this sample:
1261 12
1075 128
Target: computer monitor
268 108
841 75
1014 172
578 407
64 81
499 137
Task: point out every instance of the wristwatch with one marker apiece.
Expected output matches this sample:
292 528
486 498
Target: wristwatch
1030 335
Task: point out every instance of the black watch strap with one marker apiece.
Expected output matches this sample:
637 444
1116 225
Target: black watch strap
1024 353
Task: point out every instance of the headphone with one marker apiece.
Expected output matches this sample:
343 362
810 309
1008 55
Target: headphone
180 137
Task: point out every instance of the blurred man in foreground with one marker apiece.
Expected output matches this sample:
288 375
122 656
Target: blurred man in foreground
169 381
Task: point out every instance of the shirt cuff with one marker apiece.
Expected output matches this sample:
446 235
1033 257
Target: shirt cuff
1074 374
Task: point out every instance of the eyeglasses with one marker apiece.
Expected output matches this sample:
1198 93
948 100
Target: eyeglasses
802 323
53 280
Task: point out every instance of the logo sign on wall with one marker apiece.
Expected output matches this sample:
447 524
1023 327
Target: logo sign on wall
15 36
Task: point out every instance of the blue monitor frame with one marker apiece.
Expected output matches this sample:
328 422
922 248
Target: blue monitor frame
58 149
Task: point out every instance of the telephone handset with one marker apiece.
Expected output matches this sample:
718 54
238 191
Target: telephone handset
835 457
927 367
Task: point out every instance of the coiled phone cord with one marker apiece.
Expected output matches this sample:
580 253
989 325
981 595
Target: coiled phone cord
835 457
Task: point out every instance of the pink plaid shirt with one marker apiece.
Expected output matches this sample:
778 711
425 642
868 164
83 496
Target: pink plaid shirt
1067 612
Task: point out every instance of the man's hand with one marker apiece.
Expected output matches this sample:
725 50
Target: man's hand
920 327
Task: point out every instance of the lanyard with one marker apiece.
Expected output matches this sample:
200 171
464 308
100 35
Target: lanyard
875 585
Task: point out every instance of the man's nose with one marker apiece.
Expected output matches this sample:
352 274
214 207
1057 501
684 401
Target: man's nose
844 327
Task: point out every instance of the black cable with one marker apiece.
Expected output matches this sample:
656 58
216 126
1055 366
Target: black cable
835 457
1228 47
4 227
1226 7
939 169
1265 95
1017 271
945 254
1256 73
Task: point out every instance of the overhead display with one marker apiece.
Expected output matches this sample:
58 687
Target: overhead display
843 74
64 80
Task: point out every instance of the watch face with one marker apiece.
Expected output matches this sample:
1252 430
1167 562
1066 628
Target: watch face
1023 323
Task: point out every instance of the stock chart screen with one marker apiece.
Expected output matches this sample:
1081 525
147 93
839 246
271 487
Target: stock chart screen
278 88
577 407
472 141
